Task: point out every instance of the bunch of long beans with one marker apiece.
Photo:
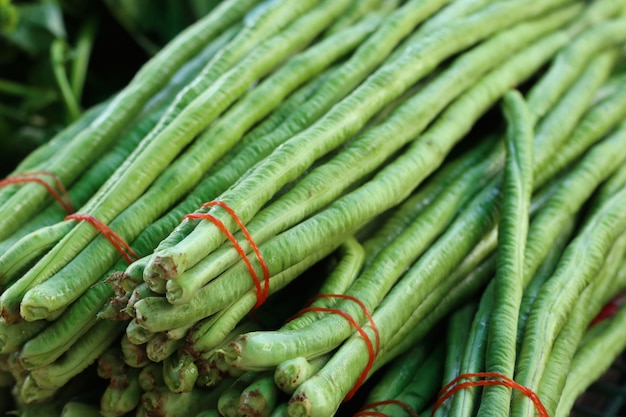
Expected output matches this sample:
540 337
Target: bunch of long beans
298 197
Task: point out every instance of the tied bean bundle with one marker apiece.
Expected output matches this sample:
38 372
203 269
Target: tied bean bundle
330 207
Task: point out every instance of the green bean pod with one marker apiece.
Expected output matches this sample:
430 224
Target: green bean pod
228 402
356 11
180 373
512 231
151 377
259 398
599 121
570 194
162 347
78 357
122 395
290 374
425 194
14 336
425 149
458 333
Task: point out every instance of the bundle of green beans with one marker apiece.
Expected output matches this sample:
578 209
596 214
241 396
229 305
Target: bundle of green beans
375 172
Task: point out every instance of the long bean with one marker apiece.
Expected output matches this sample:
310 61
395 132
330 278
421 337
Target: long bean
122 395
11 295
543 272
465 402
295 71
458 334
259 398
357 10
512 231
290 374
13 336
400 371
422 388
314 396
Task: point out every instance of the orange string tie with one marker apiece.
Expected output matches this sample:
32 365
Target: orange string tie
405 406
491 379
253 245
261 293
363 307
368 342
61 196
116 240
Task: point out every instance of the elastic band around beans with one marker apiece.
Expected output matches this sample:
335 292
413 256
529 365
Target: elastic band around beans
217 222
116 240
253 245
497 379
61 196
404 405
364 335
363 307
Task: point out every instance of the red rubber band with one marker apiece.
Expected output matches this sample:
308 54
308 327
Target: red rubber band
363 307
63 198
364 335
116 240
253 245
498 379
404 405
217 222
